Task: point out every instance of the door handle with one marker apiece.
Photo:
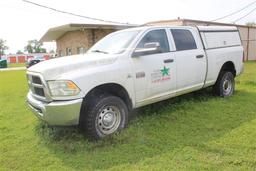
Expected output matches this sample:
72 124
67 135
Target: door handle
168 60
199 56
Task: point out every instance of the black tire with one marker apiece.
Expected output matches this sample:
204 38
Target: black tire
103 115
225 84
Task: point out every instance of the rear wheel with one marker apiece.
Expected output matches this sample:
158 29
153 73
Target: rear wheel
104 115
225 84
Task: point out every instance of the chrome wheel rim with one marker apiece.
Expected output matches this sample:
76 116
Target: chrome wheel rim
227 86
108 120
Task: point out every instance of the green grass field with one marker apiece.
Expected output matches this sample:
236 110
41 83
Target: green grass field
16 65
192 132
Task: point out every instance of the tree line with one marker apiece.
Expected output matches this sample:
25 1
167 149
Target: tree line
33 46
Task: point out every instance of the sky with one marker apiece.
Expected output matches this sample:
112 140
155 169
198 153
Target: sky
21 21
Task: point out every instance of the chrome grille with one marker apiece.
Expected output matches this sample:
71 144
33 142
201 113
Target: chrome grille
36 80
39 91
36 86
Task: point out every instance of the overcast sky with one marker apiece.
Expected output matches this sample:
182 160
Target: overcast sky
21 21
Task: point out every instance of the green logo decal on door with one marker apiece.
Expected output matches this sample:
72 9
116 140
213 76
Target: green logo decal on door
161 75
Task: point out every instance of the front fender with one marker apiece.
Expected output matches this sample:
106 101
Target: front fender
88 79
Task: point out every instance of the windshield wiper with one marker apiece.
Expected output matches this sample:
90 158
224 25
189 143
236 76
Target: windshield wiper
100 51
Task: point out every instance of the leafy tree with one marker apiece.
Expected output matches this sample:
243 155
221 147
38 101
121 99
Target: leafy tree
251 24
3 47
34 46
19 52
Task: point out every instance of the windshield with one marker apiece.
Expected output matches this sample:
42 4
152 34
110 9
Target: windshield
114 43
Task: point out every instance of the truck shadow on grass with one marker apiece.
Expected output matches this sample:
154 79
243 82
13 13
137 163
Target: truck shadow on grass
189 120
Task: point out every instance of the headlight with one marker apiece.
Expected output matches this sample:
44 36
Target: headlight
63 88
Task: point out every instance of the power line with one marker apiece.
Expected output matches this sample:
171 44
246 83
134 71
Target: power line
245 15
70 13
235 12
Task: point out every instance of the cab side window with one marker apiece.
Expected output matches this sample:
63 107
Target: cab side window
183 39
155 36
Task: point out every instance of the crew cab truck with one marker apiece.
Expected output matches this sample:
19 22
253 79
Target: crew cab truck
132 68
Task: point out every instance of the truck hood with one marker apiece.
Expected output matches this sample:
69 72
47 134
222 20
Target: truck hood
53 68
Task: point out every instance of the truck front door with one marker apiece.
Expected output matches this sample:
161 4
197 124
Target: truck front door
154 70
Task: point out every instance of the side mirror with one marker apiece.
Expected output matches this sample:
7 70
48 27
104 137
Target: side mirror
149 48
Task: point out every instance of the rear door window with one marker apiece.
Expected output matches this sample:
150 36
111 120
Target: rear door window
183 39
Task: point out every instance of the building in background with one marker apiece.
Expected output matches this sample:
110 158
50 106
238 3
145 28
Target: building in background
248 33
22 58
74 39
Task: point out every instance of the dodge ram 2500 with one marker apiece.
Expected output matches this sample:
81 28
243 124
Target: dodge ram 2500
132 68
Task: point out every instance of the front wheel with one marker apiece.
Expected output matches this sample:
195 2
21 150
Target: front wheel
225 85
105 115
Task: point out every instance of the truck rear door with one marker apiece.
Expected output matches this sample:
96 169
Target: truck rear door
191 64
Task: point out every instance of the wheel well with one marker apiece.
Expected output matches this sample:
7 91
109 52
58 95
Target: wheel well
113 89
229 66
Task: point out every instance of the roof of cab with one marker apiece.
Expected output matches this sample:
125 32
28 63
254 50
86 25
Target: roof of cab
145 27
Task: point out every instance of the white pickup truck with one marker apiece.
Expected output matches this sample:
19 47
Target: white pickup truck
132 68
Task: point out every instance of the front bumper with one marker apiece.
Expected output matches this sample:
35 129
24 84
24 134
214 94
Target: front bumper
56 113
